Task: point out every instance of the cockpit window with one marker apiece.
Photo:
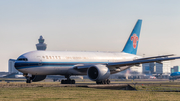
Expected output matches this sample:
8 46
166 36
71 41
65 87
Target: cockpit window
23 59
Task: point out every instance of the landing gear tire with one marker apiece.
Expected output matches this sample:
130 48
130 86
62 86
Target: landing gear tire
28 80
98 82
107 81
62 82
67 81
73 81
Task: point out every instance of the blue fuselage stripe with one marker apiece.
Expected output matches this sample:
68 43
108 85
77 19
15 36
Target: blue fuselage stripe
21 65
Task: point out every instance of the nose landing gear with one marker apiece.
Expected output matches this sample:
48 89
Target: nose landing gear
28 78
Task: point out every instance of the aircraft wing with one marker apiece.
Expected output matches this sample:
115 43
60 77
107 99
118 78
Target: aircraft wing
155 57
135 62
128 63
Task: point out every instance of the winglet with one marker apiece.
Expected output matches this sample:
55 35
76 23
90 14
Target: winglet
132 43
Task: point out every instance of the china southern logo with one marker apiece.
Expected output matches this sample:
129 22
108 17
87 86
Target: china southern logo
134 38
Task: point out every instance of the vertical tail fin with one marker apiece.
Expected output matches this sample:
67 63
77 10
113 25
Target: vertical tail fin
132 43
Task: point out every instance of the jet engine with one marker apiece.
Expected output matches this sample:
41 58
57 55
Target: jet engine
98 73
36 78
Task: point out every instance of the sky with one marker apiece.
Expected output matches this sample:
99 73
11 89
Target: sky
91 25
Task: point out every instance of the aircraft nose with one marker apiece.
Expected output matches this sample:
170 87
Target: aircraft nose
21 61
17 64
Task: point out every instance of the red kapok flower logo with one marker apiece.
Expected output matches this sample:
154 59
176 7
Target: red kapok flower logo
134 38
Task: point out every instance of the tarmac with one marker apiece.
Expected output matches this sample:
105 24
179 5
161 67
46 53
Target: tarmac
122 85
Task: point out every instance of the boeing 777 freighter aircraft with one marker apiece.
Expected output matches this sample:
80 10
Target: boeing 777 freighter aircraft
97 66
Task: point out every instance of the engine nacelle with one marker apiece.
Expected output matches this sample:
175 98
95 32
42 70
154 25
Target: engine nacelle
98 73
36 78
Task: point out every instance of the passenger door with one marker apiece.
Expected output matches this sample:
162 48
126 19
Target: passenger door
39 60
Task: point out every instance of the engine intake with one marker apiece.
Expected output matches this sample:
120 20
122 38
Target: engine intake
98 73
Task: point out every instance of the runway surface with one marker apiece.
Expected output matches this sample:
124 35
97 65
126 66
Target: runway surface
125 85
45 84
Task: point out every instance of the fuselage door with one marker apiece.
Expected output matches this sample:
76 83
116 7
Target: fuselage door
39 60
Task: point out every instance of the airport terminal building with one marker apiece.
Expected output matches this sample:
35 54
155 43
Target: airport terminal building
175 69
162 70
11 68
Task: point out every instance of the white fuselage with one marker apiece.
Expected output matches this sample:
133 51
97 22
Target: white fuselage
62 62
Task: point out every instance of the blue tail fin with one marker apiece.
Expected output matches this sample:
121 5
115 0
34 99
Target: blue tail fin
132 43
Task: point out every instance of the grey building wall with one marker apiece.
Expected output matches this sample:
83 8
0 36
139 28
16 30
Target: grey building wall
11 68
149 68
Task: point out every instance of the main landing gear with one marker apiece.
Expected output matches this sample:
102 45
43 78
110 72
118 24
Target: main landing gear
68 81
107 81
